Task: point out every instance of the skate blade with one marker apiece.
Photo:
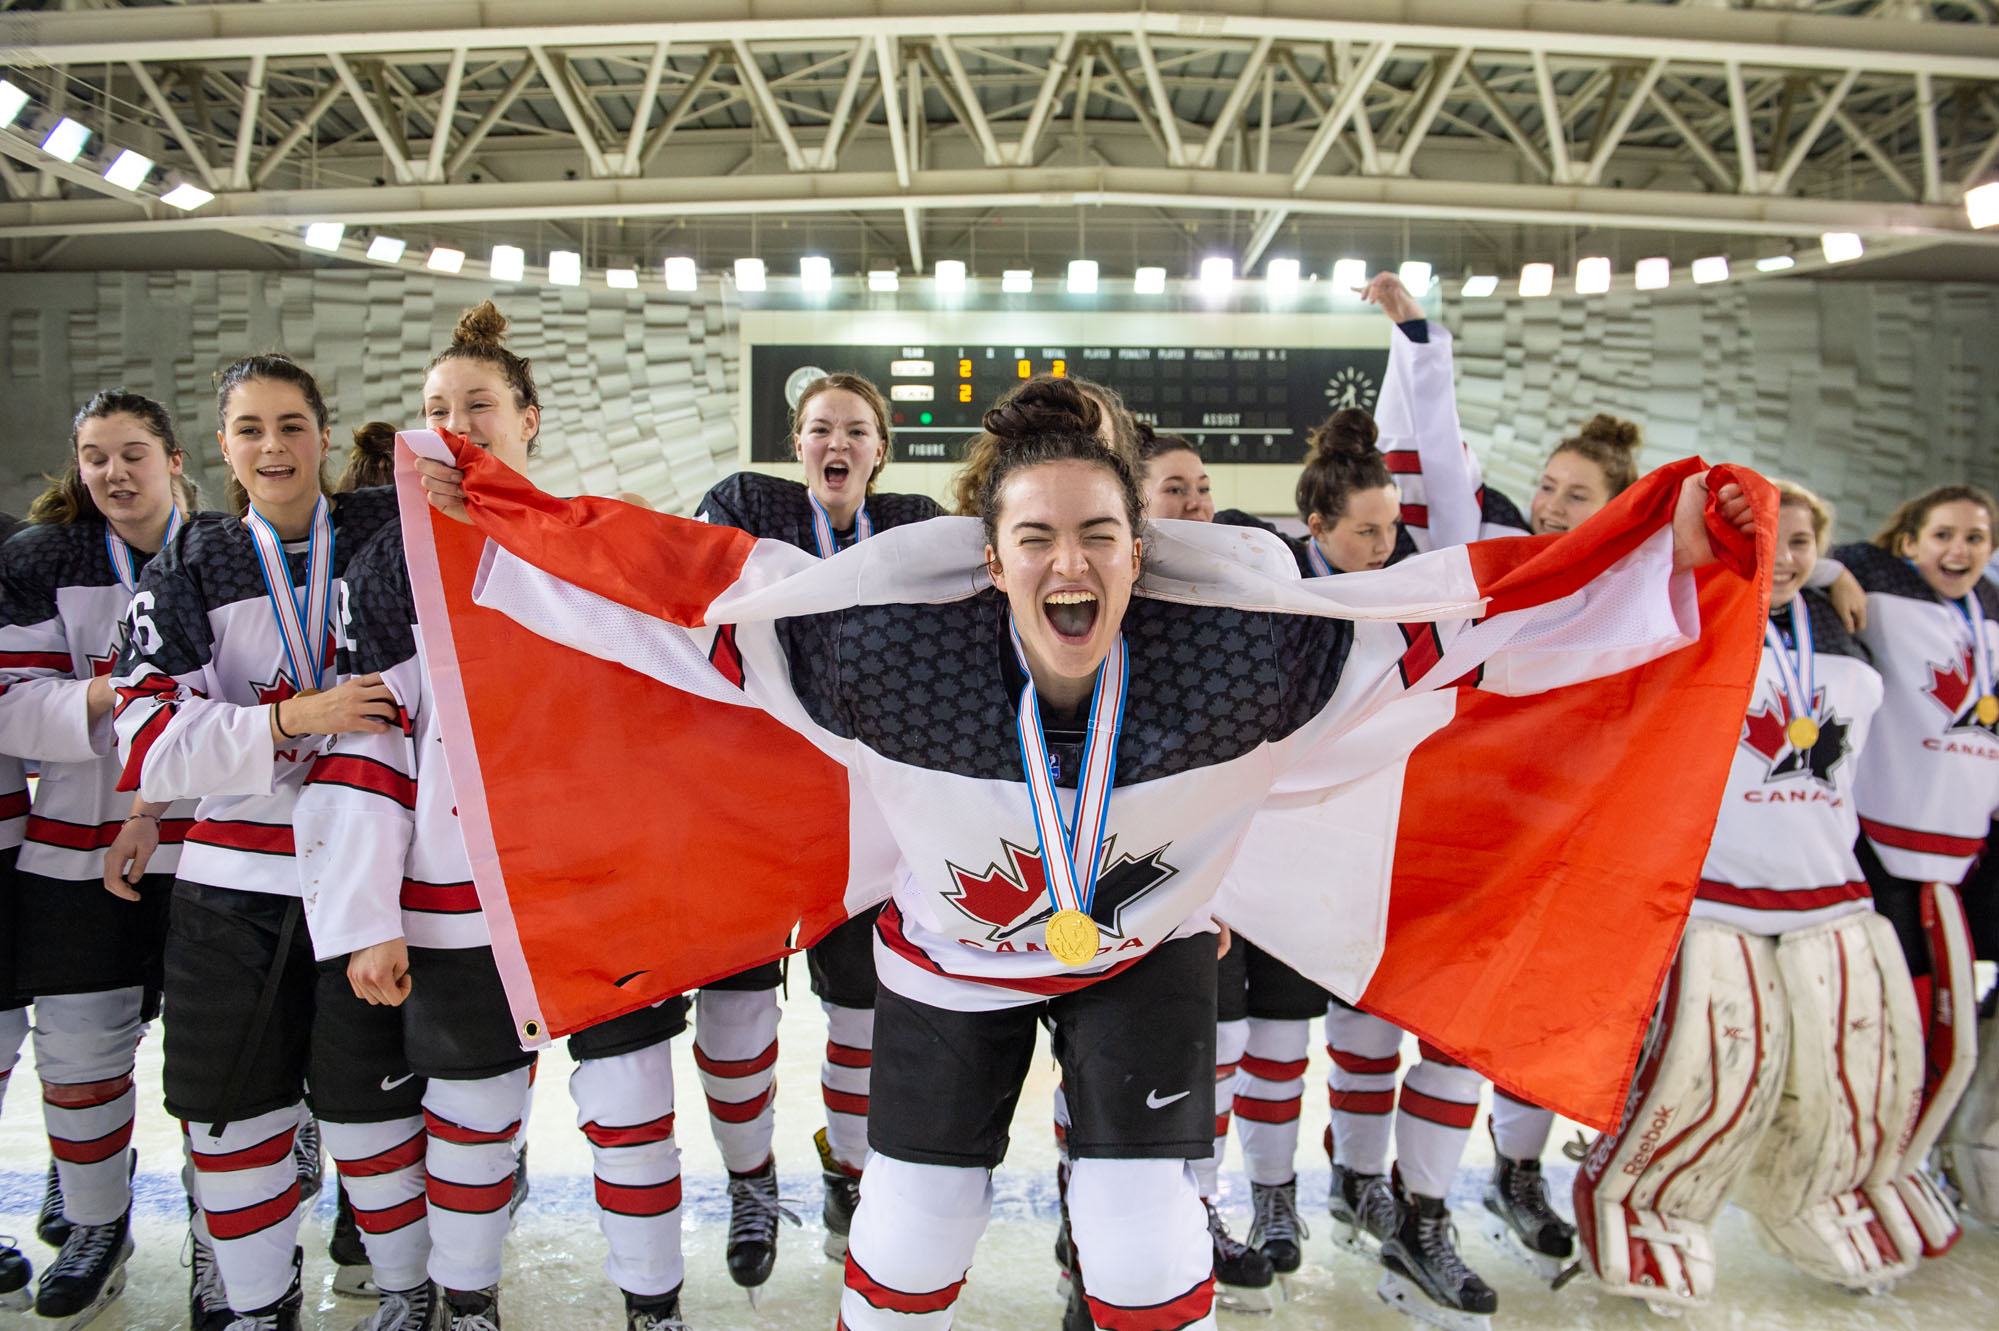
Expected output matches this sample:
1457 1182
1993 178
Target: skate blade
1063 1282
1358 1242
114 1285
355 1282
1248 1300
835 1246
1408 1298
1661 1308
1501 1236
754 1293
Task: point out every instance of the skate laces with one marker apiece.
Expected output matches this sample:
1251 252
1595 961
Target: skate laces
83 1250
1527 1190
755 1208
1229 1245
644 1321
204 1288
1276 1215
1437 1236
259 1322
398 1310
1375 1210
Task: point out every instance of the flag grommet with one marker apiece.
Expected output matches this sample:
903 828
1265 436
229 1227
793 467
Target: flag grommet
531 1030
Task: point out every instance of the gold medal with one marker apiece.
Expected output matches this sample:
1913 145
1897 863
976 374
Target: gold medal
1988 710
306 693
1803 732
1072 937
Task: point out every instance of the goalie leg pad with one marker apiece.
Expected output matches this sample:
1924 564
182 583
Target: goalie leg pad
1647 1195
1971 1144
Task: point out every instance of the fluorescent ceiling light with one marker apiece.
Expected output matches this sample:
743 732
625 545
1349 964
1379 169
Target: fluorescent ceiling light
624 279
681 274
444 259
1149 281
130 170
1017 280
186 197
1537 279
1083 276
1280 277
386 249
1713 268
1981 205
815 273
1416 275
1653 274
66 140
749 274
1592 275
509 263
12 99
1217 274
949 274
1480 286
325 235
1775 263
883 279
1841 246
565 268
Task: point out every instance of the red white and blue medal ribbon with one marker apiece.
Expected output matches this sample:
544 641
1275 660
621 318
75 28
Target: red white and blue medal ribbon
1322 567
123 565
1799 676
1072 850
1973 614
822 526
303 627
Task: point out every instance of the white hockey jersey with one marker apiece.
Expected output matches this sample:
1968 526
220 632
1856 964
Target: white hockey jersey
1928 787
1782 856
1445 500
202 660
62 610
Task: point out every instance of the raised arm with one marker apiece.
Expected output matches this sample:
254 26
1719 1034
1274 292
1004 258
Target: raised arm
1417 414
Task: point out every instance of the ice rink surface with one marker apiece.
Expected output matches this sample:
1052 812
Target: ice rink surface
554 1277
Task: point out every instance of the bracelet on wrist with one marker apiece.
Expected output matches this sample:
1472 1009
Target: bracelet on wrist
278 720
155 817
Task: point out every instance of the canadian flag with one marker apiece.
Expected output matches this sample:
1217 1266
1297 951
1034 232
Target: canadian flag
632 840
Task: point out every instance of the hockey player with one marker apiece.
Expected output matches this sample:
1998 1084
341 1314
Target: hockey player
1786 1052
1118 431
386 881
1928 785
91 963
16 1271
1058 636
840 433
225 686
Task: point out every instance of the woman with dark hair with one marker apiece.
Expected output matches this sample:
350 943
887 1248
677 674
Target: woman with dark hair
1117 429
89 963
15 1270
1115 952
225 686
371 459
1173 476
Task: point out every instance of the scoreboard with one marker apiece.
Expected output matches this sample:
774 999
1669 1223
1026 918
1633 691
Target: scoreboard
1240 404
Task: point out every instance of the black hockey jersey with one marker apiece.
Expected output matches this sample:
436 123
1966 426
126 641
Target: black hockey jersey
13 776
780 509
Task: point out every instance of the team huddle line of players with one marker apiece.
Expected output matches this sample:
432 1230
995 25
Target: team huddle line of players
243 826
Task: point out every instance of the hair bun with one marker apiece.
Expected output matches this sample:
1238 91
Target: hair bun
1045 407
1348 432
481 326
376 439
1612 431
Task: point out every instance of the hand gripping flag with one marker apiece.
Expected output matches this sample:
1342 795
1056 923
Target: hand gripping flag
631 840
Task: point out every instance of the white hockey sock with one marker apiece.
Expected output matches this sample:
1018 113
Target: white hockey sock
1142 1242
912 1243
735 1048
843 1081
248 1181
1433 1118
1360 1085
85 1045
13 1031
469 1157
1269 1095
1519 1130
382 1167
1230 1039
624 1106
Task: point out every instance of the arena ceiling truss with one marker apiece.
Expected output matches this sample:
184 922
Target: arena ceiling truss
901 129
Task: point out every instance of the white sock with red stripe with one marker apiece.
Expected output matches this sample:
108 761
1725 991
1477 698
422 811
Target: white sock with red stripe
85 1045
1142 1241
735 1048
912 1242
382 1166
248 1183
624 1105
13 1032
1269 1095
1520 1131
469 1160
1231 1038
1365 1052
843 1081
1433 1118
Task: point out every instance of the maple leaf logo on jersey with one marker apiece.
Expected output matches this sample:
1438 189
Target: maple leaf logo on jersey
1951 689
1763 734
275 690
1012 900
100 666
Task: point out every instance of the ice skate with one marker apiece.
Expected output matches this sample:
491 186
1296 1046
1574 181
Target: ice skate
352 1273
1363 1210
50 1227
1076 1313
1065 1247
403 1310
282 1315
207 1301
469 1310
1520 1222
311 1159
754 1210
522 1188
1425 1277
654 1313
1245 1281
15 1273
843 1194
86 1276
1277 1229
